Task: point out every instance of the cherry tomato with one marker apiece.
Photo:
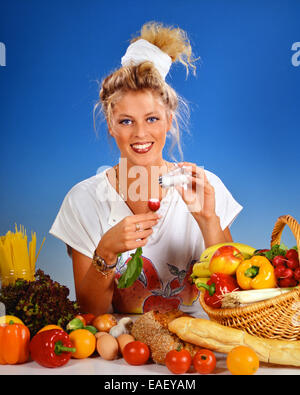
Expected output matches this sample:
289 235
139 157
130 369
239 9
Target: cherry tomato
242 360
153 204
136 353
204 361
178 362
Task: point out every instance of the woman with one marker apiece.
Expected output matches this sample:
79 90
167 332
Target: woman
104 219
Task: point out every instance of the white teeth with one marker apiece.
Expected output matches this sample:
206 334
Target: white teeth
144 146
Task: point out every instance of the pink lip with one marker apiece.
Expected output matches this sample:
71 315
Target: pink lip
142 151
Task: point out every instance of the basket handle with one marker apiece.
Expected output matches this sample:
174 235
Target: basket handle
278 228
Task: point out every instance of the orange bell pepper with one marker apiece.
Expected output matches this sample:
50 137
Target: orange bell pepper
14 344
256 273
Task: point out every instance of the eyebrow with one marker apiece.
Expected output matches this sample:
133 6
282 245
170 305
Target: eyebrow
130 116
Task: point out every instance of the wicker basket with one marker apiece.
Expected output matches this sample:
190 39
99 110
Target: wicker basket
276 318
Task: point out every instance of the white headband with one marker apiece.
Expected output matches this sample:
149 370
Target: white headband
141 51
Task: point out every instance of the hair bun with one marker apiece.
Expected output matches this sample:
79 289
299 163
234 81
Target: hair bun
171 40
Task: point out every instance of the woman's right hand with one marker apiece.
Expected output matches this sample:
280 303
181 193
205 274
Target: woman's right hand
125 237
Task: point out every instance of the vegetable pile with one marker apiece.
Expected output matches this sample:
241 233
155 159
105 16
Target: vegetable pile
36 302
286 264
234 274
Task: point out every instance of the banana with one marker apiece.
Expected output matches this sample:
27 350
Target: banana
200 269
245 249
199 280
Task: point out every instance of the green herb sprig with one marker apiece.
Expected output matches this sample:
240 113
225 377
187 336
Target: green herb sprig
133 269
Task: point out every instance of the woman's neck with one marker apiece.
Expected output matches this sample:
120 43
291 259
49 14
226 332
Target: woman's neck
140 183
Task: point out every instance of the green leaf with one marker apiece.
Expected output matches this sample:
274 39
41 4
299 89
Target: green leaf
276 250
133 270
283 247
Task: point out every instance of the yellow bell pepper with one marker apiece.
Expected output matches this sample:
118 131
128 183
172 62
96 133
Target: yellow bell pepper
10 319
256 273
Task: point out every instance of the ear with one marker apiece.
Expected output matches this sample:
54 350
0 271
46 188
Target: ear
169 121
109 129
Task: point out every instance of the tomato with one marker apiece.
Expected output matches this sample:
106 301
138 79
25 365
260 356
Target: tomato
88 317
136 353
84 342
242 360
204 361
178 361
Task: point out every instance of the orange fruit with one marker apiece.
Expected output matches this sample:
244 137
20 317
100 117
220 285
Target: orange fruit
242 360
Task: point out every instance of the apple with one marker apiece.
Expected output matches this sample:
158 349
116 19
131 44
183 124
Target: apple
226 259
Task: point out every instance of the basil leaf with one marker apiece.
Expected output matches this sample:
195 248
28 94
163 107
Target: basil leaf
133 270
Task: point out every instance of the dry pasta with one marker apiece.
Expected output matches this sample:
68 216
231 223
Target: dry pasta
17 259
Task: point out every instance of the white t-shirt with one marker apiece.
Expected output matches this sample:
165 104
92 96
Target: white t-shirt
93 206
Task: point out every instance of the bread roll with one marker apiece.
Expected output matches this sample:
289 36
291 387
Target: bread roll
152 328
219 338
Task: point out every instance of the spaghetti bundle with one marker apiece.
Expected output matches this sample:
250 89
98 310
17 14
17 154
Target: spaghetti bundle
17 259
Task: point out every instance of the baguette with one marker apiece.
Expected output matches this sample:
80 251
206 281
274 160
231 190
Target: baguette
219 338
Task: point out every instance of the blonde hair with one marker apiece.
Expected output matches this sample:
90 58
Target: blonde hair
174 42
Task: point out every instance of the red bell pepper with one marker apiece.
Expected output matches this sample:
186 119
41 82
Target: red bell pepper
51 348
218 285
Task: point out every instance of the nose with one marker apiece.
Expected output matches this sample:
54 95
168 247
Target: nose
140 130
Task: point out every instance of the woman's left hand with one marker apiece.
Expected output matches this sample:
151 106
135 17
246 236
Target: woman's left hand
199 195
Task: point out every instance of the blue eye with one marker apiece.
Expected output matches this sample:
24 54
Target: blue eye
126 122
152 119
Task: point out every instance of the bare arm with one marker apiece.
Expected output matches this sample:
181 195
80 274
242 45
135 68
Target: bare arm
213 233
94 291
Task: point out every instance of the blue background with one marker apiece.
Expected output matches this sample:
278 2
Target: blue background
244 101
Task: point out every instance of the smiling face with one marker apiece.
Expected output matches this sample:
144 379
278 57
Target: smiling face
139 124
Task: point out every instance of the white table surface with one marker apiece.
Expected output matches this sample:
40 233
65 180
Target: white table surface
96 365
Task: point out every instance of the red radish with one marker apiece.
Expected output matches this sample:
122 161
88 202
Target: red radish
288 273
278 260
153 204
287 282
292 263
292 254
280 270
297 274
